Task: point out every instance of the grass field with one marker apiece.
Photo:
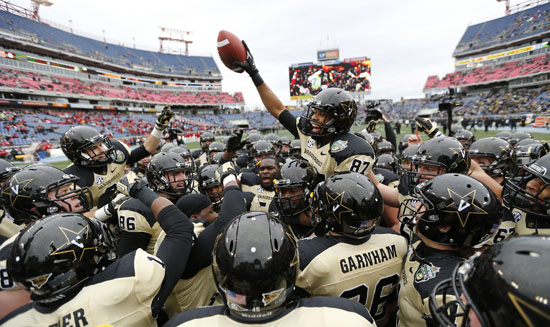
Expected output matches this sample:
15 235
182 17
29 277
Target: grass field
480 133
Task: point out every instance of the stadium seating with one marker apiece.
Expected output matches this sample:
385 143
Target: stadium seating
503 30
50 37
487 74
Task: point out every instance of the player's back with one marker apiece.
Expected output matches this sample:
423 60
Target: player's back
365 270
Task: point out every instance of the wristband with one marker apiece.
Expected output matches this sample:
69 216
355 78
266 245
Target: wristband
103 213
158 133
228 179
257 79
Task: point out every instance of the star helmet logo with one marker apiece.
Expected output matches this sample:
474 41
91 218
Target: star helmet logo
337 207
39 281
73 242
17 189
461 152
310 142
531 315
466 206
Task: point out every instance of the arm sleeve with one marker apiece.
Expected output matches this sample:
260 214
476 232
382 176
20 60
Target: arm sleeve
289 122
137 154
390 134
201 255
174 251
129 242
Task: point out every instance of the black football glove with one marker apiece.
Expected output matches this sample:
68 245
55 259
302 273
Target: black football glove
234 142
425 125
164 118
250 67
129 188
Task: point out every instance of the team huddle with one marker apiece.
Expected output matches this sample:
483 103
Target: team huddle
334 228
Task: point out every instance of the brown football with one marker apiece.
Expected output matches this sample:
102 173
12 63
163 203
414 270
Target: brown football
231 49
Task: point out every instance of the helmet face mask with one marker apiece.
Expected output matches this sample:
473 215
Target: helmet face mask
40 190
497 287
335 107
529 190
205 140
211 186
293 189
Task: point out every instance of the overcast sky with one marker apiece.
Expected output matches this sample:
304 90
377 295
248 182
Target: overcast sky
406 40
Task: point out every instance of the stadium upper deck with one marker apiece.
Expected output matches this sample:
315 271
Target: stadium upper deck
16 28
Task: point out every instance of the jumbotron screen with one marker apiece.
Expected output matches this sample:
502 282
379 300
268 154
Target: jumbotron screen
308 79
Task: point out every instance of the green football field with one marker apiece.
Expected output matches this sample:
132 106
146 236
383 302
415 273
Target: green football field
480 133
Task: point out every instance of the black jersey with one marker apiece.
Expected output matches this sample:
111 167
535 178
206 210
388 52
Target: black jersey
316 311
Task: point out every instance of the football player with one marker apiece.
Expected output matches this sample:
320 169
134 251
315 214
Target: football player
528 195
196 286
452 216
7 227
168 174
69 265
100 162
322 129
292 193
201 155
351 257
255 268
30 194
496 288
261 185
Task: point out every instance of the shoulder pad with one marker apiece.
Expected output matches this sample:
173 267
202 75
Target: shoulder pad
347 145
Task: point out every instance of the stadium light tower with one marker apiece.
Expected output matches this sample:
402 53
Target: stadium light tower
36 7
507 2
176 36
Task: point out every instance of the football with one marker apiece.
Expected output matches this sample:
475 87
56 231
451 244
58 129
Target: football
231 49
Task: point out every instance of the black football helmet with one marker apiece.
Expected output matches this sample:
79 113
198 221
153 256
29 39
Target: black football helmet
386 161
465 137
496 150
384 147
501 286
503 135
167 147
346 203
529 191
55 255
295 174
514 138
252 138
261 149
25 196
296 149
213 149
405 163
205 140
255 264
453 209
337 102
209 177
445 153
78 142
528 150
184 152
175 134
164 164
7 170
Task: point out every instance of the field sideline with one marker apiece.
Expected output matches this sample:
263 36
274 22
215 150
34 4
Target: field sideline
480 133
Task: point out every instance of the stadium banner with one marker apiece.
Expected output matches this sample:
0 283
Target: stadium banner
500 54
306 80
